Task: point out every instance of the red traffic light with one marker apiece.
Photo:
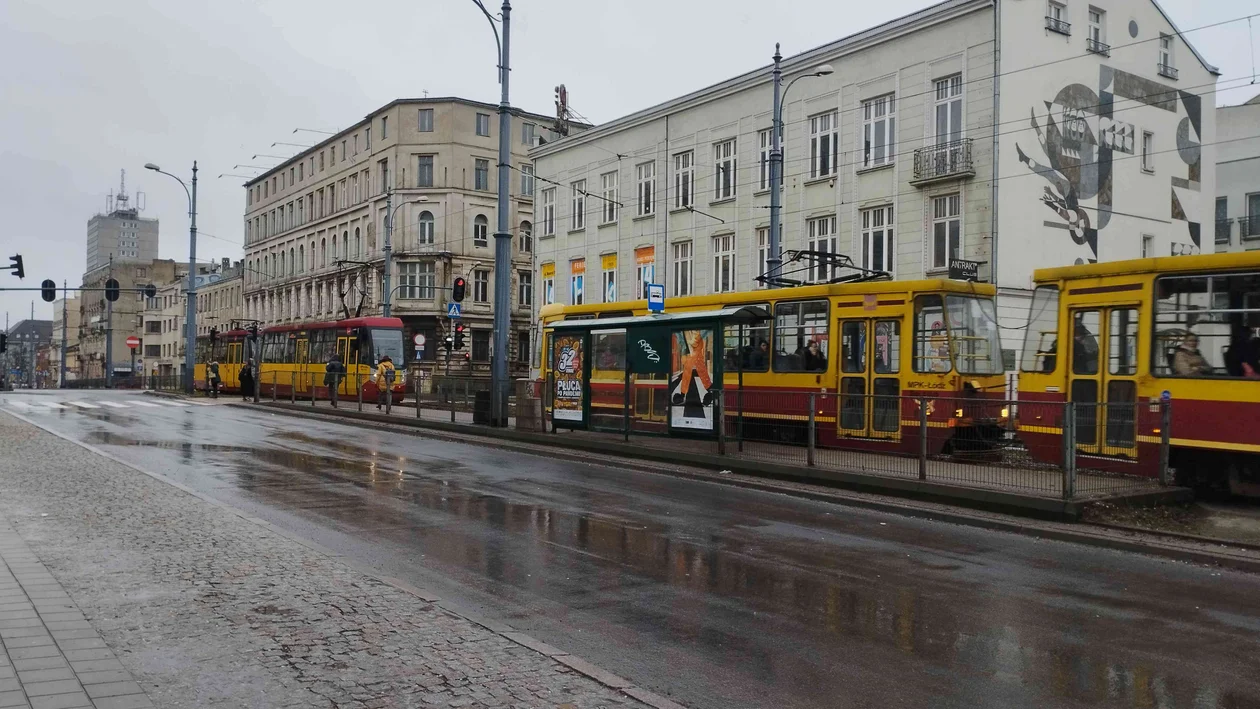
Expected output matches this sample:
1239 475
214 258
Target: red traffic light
457 289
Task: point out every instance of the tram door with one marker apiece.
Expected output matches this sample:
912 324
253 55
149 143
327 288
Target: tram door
870 384
1103 379
302 367
348 353
232 375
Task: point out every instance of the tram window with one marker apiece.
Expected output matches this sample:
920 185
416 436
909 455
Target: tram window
853 346
1207 326
609 350
1041 337
931 341
382 342
753 353
321 346
1122 341
1085 329
887 346
973 332
800 336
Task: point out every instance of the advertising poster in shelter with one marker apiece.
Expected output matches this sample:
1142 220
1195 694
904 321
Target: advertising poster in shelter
568 399
691 392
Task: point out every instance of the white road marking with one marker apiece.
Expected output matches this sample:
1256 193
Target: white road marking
83 405
113 405
142 403
21 405
51 404
172 403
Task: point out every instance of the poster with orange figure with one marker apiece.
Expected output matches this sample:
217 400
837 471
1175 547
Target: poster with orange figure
691 392
569 399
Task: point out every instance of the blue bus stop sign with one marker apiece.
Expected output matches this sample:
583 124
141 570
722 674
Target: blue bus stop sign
656 298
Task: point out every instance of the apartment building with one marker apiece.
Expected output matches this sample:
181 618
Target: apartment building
128 313
65 328
1238 177
219 302
120 233
315 224
1014 133
220 298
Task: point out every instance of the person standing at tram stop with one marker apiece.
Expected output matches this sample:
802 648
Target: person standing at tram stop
247 380
384 380
212 374
332 378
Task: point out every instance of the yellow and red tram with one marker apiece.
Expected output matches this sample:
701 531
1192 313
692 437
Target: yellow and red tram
295 357
231 350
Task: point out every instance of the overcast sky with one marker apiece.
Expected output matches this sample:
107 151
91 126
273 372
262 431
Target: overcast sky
92 87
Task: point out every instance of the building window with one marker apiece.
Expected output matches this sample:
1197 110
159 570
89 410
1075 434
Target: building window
763 251
549 211
481 228
527 133
724 165
646 274
576 282
424 171
522 347
608 185
424 120
1056 18
822 144
525 289
609 283
879 131
646 176
763 171
949 109
1148 245
481 285
384 127
301 171
416 280
684 179
724 263
481 345
548 284
527 180
877 239
822 239
483 124
1095 40
481 174
527 238
946 230
682 268
426 228
1165 55
577 203
367 137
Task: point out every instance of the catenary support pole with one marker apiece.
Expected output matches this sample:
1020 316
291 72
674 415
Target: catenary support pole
773 260
502 239
190 318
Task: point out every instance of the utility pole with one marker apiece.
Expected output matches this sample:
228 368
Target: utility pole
65 330
34 345
502 237
190 324
109 333
389 247
773 261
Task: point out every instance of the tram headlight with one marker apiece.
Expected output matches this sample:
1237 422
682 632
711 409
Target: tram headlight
958 413
1006 412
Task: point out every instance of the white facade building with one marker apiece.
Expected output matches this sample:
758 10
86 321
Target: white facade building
1238 177
1086 146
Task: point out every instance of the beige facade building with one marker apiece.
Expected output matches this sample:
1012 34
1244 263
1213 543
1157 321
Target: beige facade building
315 225
220 297
219 302
66 328
128 313
1238 177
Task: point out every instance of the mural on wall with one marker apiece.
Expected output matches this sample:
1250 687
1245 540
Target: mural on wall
1078 138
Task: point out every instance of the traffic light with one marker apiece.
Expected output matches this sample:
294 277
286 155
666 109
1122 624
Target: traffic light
457 290
4 342
214 334
459 336
447 343
111 289
18 269
150 292
48 290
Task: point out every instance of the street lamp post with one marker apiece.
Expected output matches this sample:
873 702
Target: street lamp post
190 315
773 260
503 236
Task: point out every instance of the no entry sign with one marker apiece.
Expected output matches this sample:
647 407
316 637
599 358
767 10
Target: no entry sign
133 342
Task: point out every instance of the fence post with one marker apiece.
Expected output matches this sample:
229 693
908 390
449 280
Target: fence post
739 429
452 397
625 416
312 390
417 383
358 387
923 438
1069 450
275 375
389 391
809 450
292 387
719 413
336 389
1165 438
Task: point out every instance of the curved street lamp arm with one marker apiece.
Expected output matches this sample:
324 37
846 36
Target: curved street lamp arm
490 18
181 184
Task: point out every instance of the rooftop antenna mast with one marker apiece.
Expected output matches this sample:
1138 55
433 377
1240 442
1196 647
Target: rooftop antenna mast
122 202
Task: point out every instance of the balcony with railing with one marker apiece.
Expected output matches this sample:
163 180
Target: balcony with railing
943 161
1224 231
1168 72
1097 47
1249 227
1054 24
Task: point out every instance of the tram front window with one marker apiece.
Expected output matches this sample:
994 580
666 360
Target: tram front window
973 331
386 342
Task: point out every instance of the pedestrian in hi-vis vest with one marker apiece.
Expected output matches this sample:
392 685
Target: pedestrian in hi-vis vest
384 381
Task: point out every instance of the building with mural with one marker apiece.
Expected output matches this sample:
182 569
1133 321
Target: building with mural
1238 176
1014 133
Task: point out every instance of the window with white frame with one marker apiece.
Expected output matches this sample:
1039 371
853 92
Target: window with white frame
879 131
724 165
646 273
763 252
527 133
1148 147
684 179
425 228
424 171
948 109
481 285
577 204
609 282
724 263
424 120
481 174
1096 31
645 174
946 230
1148 245
527 237
525 289
608 185
481 229
577 284
681 268
822 238
483 124
1165 51
1056 12
417 280
877 239
763 171
527 180
549 211
549 288
823 150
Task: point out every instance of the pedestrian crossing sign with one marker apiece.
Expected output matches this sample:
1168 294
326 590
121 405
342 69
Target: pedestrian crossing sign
452 310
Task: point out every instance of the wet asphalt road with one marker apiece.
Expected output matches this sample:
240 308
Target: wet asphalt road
713 596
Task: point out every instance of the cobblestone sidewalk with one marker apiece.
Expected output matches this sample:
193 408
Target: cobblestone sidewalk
207 609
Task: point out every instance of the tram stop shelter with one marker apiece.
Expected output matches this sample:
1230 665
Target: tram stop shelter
658 373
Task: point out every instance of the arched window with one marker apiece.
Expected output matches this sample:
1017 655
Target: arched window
249 266
323 253
292 265
481 227
426 228
345 242
301 259
334 246
280 273
358 245
527 237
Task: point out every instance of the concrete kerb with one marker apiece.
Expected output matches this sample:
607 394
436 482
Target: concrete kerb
573 662
1164 547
